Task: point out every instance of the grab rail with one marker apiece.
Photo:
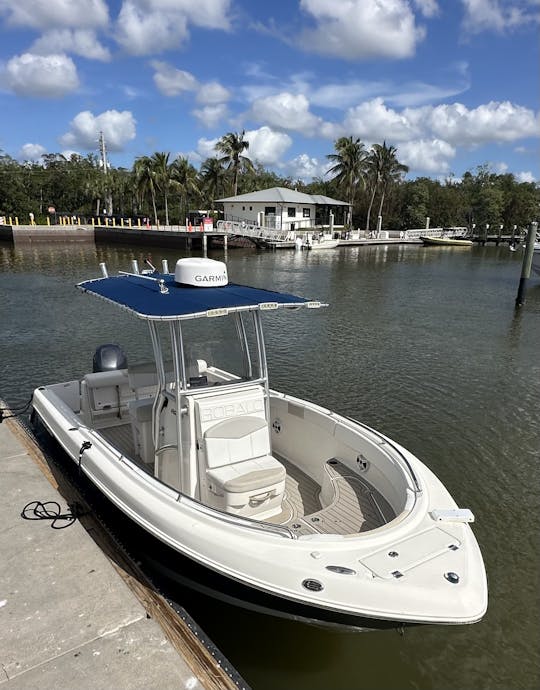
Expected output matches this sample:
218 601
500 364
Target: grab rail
238 520
168 446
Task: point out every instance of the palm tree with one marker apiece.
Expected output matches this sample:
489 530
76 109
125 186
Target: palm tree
121 187
162 177
232 145
95 185
184 181
212 174
384 169
145 181
349 165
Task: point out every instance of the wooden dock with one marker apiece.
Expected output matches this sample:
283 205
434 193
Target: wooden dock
74 610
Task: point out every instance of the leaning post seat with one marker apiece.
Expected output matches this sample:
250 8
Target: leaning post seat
104 398
242 476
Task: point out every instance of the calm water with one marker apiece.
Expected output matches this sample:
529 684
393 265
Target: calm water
421 343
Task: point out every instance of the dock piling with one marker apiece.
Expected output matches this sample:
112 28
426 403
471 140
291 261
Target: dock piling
526 266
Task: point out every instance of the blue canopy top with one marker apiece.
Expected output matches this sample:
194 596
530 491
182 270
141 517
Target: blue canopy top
158 297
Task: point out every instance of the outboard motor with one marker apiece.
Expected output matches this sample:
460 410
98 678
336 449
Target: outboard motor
109 357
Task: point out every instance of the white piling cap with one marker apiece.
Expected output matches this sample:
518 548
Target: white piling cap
201 272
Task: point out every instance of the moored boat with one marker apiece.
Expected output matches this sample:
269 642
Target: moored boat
319 241
446 241
307 508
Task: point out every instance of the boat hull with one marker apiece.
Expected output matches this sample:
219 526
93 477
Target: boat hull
274 576
315 245
445 242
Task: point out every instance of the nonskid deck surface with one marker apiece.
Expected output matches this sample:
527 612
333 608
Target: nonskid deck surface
357 506
121 438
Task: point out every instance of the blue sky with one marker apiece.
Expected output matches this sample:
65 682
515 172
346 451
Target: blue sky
453 84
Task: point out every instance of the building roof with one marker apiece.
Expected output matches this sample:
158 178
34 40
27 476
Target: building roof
142 296
283 195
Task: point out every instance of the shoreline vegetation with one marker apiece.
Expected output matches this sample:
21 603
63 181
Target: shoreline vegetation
163 191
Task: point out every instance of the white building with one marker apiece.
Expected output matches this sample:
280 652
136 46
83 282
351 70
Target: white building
285 209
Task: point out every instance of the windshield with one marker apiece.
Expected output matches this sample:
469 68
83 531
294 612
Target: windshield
218 350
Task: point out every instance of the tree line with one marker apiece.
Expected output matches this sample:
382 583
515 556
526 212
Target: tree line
371 180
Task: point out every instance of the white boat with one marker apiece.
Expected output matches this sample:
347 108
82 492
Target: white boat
319 241
446 241
319 514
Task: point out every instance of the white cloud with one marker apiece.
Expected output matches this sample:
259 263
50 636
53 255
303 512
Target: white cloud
359 29
52 14
305 168
152 26
31 152
425 156
333 130
141 32
171 81
525 176
49 76
418 93
212 93
374 121
266 146
493 121
118 128
131 92
349 93
286 111
206 148
483 15
452 123
429 8
210 115
346 94
67 153
82 42
208 14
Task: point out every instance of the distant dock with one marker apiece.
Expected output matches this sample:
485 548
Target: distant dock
164 237
74 611
179 237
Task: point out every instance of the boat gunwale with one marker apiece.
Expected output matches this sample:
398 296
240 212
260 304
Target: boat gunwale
191 503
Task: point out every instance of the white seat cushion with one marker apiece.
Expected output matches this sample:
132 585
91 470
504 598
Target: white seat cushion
107 389
236 440
251 475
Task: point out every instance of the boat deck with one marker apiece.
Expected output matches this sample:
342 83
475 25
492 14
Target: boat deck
357 506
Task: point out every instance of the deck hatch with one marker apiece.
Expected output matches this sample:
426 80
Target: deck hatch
408 553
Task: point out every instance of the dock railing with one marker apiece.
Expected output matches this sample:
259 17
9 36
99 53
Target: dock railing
416 233
255 232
